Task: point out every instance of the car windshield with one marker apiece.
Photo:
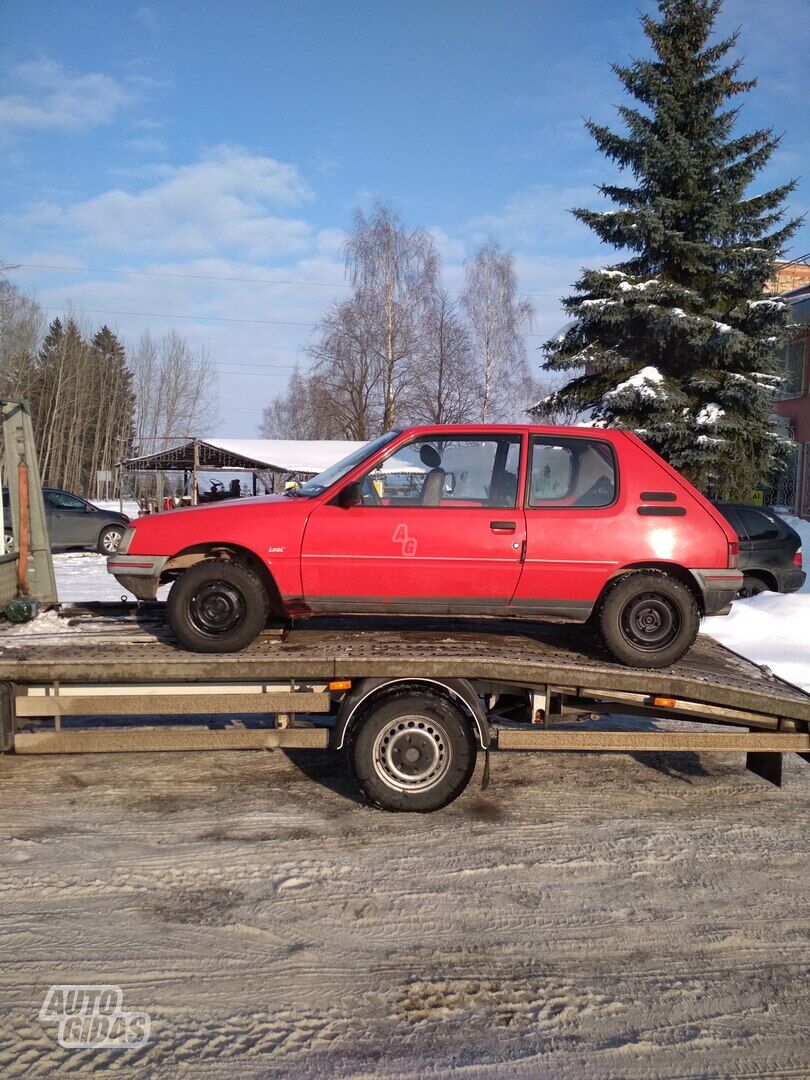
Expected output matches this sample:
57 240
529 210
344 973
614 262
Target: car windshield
330 476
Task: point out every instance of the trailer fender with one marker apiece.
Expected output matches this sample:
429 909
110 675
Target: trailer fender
458 690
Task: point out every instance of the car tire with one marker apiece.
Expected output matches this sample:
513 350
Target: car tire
109 539
649 619
411 751
752 586
10 546
218 606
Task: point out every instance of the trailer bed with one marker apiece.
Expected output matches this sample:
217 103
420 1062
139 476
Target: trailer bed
107 644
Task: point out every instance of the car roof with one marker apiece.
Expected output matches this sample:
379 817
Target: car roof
611 434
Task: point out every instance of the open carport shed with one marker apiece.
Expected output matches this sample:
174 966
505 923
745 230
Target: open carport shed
283 458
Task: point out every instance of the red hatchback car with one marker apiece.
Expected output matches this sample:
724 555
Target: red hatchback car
533 522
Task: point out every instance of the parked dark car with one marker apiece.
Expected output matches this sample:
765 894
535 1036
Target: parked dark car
770 550
74 522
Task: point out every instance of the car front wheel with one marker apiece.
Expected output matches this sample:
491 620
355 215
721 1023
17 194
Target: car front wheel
109 539
649 619
217 606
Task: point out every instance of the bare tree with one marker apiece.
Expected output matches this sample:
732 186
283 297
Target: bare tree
175 393
347 365
303 411
446 391
497 321
393 271
22 323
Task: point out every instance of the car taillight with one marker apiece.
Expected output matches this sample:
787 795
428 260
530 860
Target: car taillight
797 559
733 554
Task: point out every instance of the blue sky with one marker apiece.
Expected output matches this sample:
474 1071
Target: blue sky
207 142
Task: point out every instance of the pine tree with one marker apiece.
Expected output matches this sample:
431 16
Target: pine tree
113 419
678 340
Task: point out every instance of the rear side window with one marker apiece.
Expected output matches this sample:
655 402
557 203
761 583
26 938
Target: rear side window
62 500
571 472
756 525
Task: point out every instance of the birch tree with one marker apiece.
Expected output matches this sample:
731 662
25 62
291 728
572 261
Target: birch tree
393 271
497 318
447 389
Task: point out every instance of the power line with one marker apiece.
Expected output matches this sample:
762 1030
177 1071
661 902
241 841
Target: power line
190 277
204 277
191 318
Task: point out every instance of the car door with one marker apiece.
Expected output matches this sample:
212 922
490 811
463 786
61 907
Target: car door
69 520
573 513
444 535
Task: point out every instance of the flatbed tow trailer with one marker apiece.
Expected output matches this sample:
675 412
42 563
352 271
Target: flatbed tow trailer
67 687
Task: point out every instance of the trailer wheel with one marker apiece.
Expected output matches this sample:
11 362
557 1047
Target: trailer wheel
412 751
217 606
649 619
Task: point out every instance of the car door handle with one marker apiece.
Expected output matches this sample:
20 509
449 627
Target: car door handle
503 526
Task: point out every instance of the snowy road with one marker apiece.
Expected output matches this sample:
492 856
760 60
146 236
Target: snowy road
588 916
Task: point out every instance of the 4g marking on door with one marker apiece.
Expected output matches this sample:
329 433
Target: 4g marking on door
408 542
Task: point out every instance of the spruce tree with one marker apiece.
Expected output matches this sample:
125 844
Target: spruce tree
678 340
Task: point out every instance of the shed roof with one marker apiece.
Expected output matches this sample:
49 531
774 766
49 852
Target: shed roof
304 457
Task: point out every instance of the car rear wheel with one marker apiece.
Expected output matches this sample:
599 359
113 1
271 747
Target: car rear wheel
218 606
752 586
109 539
649 619
412 751
10 546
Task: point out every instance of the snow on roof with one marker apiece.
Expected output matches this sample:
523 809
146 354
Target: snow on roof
289 455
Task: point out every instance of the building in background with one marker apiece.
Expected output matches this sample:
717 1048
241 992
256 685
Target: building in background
793 487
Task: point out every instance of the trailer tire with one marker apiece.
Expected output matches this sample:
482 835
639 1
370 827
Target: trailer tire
218 606
649 619
411 751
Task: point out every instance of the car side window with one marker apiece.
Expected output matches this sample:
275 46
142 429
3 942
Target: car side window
756 525
571 472
437 472
62 500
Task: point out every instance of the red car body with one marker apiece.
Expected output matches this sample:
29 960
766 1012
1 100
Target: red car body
318 554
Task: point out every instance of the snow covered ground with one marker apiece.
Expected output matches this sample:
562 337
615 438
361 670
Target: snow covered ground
588 916
770 628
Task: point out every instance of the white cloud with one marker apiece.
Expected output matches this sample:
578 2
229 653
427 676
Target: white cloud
146 16
226 201
50 98
147 145
537 216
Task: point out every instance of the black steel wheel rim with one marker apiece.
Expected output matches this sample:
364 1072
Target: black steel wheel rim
650 621
216 608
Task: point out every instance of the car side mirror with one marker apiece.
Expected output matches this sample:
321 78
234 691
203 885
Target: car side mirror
351 495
